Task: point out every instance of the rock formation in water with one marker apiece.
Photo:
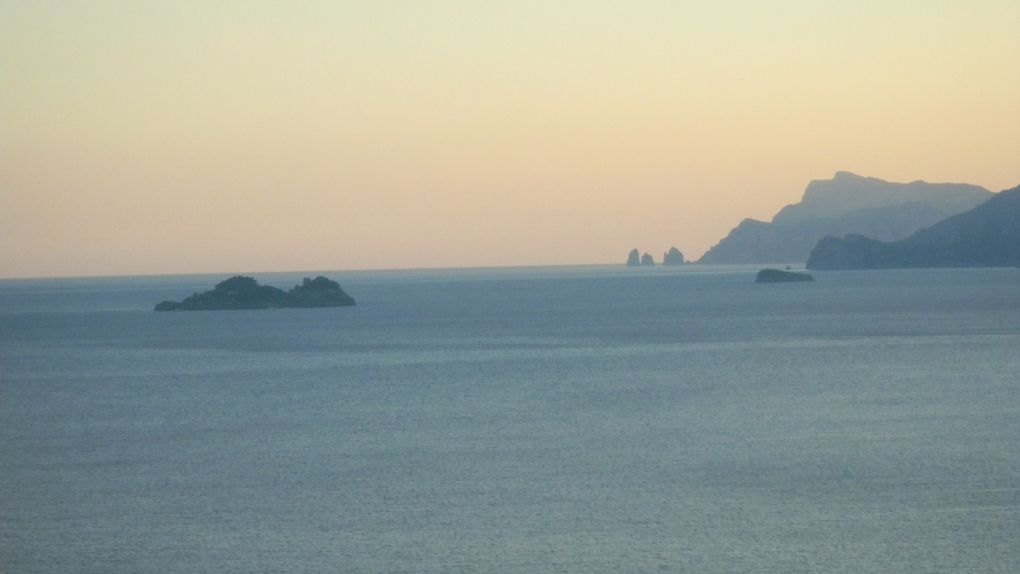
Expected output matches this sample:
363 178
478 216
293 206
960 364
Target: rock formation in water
845 204
986 236
646 260
779 276
240 292
319 292
673 257
633 258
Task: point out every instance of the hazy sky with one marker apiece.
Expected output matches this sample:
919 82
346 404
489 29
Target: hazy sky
173 136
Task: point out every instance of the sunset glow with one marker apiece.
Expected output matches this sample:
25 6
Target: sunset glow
177 137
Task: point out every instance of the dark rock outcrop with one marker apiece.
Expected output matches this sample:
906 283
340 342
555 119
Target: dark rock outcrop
240 292
647 261
986 236
845 204
673 257
780 276
851 252
319 292
633 258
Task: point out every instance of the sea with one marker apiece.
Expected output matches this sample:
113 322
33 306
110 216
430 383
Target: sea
556 419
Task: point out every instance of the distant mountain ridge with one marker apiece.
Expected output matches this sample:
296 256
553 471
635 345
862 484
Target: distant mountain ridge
846 204
986 236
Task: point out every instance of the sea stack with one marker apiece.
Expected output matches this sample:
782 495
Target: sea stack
634 258
647 261
673 257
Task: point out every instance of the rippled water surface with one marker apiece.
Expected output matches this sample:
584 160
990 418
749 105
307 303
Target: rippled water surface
516 420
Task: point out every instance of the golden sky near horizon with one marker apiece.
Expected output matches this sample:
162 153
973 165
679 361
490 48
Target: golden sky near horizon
173 137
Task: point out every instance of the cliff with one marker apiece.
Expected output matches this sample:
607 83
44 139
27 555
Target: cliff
985 236
845 204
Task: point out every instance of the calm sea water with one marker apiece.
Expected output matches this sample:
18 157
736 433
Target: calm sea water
516 420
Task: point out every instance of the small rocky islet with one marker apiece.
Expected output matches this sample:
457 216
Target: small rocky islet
241 292
780 276
672 257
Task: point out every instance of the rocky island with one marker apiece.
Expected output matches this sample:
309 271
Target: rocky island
780 276
240 292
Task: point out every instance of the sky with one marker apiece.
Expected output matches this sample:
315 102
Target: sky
153 137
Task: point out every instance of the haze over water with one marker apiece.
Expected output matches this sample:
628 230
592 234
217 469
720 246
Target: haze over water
519 420
478 417
189 136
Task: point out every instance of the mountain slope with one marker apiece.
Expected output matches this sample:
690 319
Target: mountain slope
845 204
986 236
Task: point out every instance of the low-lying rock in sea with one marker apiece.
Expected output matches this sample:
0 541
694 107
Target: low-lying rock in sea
780 276
646 260
240 292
